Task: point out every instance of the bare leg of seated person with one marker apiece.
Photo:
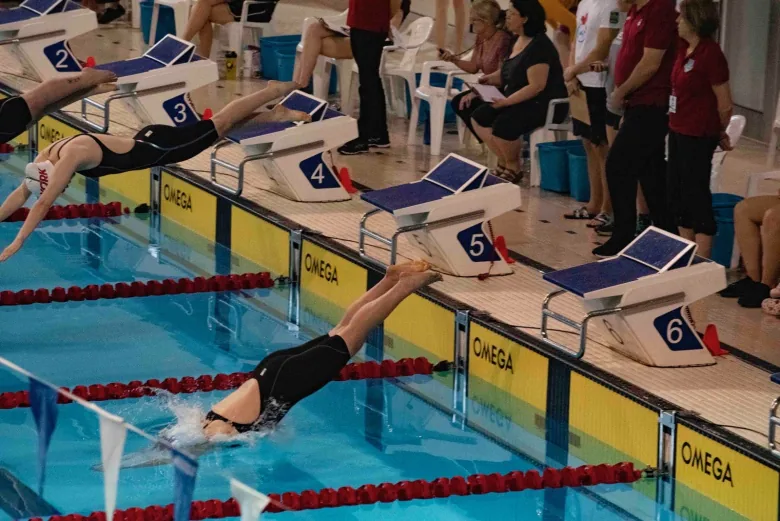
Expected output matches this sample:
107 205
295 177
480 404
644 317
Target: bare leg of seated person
202 16
318 40
53 93
757 229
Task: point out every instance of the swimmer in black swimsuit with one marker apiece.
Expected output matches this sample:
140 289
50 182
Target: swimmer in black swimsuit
18 112
285 377
97 155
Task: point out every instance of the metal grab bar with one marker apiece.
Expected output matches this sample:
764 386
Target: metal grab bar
106 107
392 242
240 168
32 37
774 421
582 327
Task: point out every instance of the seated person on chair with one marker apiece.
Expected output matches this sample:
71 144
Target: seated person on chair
221 12
530 77
757 228
98 155
490 50
18 112
288 376
318 40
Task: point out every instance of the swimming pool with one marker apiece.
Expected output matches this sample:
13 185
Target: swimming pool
349 434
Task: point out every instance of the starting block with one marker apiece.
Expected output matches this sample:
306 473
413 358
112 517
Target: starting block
156 85
292 152
39 31
446 216
644 290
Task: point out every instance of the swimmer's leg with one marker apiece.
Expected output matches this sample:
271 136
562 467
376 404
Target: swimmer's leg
392 276
374 313
242 109
57 92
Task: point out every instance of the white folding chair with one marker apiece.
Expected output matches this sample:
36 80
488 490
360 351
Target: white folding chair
415 35
772 152
437 98
322 71
551 131
237 31
181 14
734 130
757 185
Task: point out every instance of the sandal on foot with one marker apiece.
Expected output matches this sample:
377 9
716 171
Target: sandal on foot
580 214
510 175
600 220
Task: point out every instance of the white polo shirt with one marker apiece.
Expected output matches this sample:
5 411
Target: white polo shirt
593 15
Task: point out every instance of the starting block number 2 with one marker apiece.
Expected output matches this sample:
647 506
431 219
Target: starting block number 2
61 58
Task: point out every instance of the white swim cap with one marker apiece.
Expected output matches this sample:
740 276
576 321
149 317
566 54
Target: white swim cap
37 176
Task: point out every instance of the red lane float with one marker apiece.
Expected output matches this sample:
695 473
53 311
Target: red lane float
476 484
220 382
73 211
137 289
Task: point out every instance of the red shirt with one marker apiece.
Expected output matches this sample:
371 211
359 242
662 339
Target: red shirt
369 15
653 26
694 112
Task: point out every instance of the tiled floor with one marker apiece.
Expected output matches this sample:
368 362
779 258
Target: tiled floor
731 392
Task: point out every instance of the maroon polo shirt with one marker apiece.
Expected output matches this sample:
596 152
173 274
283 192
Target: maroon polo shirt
369 15
693 76
653 26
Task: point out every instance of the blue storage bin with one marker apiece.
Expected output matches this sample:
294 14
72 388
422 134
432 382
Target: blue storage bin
723 242
277 49
579 183
554 164
166 23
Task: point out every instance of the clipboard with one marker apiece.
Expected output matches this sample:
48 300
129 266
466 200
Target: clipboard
578 107
340 29
487 93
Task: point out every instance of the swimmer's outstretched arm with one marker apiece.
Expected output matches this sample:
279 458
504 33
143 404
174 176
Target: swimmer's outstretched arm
61 176
14 201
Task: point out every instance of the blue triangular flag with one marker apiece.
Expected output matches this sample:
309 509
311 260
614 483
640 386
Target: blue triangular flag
185 471
43 402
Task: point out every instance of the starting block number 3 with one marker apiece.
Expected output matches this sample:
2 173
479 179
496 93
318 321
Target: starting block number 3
676 331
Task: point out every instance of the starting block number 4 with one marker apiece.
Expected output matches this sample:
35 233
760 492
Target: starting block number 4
676 331
318 173
61 58
476 244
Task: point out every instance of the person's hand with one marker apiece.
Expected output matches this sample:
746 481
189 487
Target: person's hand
599 67
569 74
482 80
465 101
725 142
573 87
617 99
447 56
500 103
10 250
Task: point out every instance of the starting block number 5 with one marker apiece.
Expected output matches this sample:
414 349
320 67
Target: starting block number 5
476 244
677 333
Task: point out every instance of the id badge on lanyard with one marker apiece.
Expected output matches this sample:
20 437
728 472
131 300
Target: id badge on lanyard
672 104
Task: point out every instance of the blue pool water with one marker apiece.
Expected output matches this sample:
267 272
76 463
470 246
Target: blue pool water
350 433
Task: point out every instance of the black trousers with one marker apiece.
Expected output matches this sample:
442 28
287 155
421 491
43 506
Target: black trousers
367 50
639 154
466 113
688 182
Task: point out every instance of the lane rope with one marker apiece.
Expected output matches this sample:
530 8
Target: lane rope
476 484
73 211
221 382
137 289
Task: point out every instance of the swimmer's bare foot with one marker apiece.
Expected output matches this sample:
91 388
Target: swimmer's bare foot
394 272
414 281
282 113
94 77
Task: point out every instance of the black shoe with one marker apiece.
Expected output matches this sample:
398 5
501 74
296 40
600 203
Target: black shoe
379 142
354 147
609 249
736 289
605 230
753 295
642 223
111 14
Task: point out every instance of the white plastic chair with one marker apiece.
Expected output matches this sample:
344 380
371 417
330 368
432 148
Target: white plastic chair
322 71
437 98
181 14
734 130
415 35
754 188
237 31
551 131
772 152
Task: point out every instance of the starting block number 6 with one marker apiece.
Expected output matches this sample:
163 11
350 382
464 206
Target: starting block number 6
674 333
677 333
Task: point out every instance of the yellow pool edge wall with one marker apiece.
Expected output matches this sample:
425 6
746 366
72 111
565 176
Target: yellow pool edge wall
513 372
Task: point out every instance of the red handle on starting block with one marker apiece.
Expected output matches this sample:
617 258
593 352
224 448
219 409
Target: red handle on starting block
91 61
